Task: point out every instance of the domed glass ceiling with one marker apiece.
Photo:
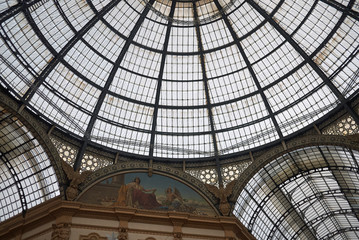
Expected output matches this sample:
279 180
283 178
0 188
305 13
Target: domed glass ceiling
311 193
180 79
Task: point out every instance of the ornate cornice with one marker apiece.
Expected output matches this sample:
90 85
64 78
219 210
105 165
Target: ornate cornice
57 209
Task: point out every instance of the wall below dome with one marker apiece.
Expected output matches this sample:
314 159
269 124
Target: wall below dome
59 219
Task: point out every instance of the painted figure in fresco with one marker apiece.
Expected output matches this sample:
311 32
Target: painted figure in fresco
172 195
175 202
135 195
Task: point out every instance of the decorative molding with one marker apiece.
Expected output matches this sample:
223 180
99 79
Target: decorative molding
122 234
61 231
60 209
295 144
177 236
94 227
92 236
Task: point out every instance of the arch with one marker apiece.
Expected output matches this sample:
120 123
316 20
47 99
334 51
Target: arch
299 188
295 144
28 160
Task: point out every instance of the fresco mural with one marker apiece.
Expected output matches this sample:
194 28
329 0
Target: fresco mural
138 190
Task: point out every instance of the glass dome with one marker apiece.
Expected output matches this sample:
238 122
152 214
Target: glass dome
309 193
181 79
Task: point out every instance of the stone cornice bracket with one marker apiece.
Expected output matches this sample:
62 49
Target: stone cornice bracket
92 236
234 230
61 231
178 221
122 233
177 236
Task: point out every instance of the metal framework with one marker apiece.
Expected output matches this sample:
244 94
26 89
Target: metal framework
196 82
212 115
309 192
27 176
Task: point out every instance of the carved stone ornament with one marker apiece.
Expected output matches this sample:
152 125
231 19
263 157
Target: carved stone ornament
123 234
76 179
92 236
222 194
61 231
177 236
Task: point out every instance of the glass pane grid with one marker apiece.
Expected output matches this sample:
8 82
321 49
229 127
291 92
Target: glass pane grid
52 25
183 121
224 62
215 34
89 64
126 114
107 42
60 111
183 94
183 40
228 88
121 138
317 198
262 43
134 86
124 16
32 52
245 18
78 13
317 27
6 5
72 60
25 169
268 6
100 4
141 61
305 111
277 64
12 72
173 146
292 13
151 34
183 69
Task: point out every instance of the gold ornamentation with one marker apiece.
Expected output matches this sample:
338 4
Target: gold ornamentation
123 234
177 236
61 231
92 236
76 179
222 194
